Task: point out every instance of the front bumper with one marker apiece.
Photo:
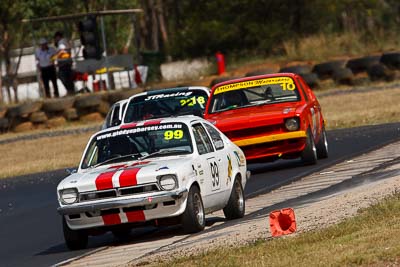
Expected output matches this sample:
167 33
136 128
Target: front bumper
115 203
270 138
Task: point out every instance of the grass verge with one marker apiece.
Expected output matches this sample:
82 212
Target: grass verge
364 240
44 154
361 108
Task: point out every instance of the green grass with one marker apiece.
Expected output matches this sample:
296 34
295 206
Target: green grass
371 238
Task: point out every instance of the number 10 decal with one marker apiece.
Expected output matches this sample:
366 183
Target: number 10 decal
215 176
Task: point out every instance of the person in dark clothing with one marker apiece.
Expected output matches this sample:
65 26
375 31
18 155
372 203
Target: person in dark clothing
44 58
64 62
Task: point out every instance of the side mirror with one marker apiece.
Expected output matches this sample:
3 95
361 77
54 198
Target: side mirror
71 170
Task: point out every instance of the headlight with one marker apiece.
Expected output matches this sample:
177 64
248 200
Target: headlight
292 124
69 196
168 182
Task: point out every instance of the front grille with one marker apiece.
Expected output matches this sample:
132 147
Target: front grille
138 189
251 132
122 191
95 195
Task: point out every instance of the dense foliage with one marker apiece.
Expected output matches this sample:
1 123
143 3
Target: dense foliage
203 27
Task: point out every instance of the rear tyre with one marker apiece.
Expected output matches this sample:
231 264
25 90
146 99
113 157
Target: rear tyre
235 208
309 154
322 146
193 219
74 239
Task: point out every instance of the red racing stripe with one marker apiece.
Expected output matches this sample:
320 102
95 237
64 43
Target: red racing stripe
104 180
129 125
117 166
135 216
128 177
111 219
140 163
152 122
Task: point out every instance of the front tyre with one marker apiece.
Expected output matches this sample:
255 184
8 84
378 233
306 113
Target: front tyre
74 239
309 154
235 208
322 145
193 219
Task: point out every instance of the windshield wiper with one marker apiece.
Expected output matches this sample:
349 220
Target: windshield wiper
164 151
117 159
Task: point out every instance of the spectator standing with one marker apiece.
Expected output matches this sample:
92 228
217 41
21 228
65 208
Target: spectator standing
44 61
64 62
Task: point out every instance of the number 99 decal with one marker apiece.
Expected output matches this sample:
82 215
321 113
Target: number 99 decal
169 135
214 175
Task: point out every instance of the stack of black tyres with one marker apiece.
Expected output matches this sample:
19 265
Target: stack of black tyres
305 71
4 125
220 80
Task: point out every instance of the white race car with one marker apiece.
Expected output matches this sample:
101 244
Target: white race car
154 171
161 103
115 114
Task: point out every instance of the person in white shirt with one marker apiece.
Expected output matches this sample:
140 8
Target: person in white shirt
64 62
45 65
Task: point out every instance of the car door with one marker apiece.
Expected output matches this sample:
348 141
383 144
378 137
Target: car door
208 168
224 159
313 107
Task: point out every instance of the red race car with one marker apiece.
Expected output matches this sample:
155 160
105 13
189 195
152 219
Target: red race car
270 117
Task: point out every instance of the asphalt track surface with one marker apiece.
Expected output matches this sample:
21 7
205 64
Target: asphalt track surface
30 228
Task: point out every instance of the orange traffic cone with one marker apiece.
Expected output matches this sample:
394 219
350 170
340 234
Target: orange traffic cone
282 222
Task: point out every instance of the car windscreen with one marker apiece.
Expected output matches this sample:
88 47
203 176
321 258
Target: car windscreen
187 102
253 93
120 145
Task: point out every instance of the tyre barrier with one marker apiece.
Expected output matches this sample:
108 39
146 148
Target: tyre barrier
298 69
38 117
282 222
259 72
71 114
311 79
58 104
220 80
362 64
3 124
391 60
56 112
325 70
3 111
380 72
343 76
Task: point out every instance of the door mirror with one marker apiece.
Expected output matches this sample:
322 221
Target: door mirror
71 170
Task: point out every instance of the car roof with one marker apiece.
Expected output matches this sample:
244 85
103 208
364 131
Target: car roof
251 78
172 90
121 102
